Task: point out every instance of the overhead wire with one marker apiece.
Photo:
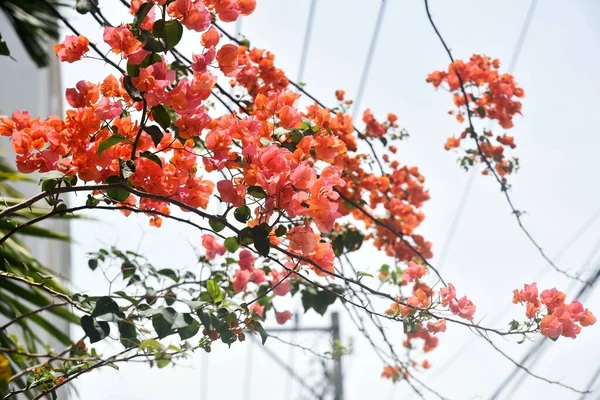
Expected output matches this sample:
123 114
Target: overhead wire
473 173
369 59
301 68
591 384
306 43
543 272
531 353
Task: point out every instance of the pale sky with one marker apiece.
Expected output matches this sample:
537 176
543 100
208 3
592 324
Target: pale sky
557 143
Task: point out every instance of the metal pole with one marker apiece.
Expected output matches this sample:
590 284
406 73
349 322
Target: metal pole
338 379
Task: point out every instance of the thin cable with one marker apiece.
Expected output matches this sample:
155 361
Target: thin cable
469 186
544 271
289 370
534 349
589 386
369 59
291 358
306 43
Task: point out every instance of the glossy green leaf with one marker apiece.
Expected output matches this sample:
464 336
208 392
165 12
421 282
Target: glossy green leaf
152 157
172 33
118 195
242 213
155 133
95 330
216 224
110 142
215 291
257 192
231 244
161 116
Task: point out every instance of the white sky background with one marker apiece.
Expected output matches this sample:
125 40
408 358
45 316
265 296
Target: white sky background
557 143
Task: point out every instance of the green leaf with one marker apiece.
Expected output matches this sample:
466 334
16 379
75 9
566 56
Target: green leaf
95 330
106 305
162 360
85 6
260 238
164 321
140 16
133 70
155 133
93 264
161 116
231 244
150 344
152 157
280 231
318 300
118 195
362 273
263 334
128 333
4 51
169 273
257 192
132 91
227 336
172 33
191 329
151 43
216 224
110 142
205 319
215 291
128 269
242 213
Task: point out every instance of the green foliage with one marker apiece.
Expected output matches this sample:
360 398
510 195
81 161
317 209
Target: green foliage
110 142
34 25
319 299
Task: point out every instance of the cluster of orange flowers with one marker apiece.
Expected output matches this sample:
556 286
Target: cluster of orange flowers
281 161
481 92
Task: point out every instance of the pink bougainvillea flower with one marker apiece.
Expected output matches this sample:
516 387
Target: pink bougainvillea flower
107 110
192 14
72 48
213 248
230 193
283 316
447 294
587 319
552 298
551 327
210 38
414 271
528 294
437 326
84 94
258 276
246 260
258 309
463 308
283 283
240 281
